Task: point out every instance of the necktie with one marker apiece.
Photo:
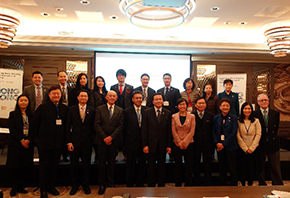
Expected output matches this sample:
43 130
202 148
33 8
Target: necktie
144 95
110 112
83 114
63 95
200 115
139 117
158 116
166 93
121 89
265 115
38 97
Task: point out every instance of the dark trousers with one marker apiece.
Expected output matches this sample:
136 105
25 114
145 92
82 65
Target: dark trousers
135 168
206 158
48 162
187 153
247 167
107 156
85 154
158 156
274 165
18 175
228 160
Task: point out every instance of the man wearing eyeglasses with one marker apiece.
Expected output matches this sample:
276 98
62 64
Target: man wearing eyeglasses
269 144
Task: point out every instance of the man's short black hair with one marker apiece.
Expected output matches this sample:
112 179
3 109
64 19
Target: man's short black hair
157 93
228 81
122 72
167 74
61 71
82 90
199 98
136 92
37 72
54 87
145 75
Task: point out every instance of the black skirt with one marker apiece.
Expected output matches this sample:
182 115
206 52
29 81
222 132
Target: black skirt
19 157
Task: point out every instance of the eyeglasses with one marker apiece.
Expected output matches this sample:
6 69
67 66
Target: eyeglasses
263 100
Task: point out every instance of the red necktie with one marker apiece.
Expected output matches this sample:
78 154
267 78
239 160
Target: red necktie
121 89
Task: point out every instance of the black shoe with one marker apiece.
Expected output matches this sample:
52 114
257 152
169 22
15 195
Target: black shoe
53 191
74 190
43 194
102 190
22 190
87 190
13 192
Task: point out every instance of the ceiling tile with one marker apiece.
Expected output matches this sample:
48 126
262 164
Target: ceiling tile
90 16
273 11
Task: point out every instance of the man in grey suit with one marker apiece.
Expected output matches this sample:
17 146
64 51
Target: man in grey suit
109 127
37 93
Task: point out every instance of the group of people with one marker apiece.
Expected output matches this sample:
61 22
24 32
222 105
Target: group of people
146 125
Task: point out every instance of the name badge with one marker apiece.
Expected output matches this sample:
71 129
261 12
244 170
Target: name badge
166 103
25 132
223 138
189 109
58 122
143 103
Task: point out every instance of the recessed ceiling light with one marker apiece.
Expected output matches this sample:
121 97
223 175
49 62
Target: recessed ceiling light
45 14
243 23
114 17
59 9
214 8
84 2
227 23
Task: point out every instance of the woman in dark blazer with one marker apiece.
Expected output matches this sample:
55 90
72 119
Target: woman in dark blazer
99 92
224 133
212 101
82 83
20 146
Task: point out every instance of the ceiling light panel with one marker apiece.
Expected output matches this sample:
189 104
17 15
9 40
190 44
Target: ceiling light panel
90 16
203 21
273 11
21 2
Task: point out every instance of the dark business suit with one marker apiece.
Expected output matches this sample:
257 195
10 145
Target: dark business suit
30 92
80 134
157 136
124 100
19 159
68 90
150 93
51 138
135 173
228 155
172 97
203 144
269 145
105 127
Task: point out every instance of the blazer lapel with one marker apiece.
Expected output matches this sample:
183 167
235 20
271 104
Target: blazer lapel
260 115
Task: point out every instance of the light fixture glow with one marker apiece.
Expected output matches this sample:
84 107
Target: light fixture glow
278 39
155 17
9 21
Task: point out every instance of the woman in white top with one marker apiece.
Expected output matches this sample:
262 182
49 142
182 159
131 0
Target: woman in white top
248 135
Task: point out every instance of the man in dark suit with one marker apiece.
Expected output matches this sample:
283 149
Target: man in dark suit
50 120
108 126
269 144
64 87
37 93
170 94
133 121
147 91
156 139
79 134
202 141
123 90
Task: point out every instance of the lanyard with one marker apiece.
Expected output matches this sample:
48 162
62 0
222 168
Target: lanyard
247 129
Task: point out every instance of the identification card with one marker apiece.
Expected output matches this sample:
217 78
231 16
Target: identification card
58 122
143 103
165 103
25 132
189 109
222 137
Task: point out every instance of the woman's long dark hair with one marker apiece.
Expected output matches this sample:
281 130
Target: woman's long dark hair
96 88
203 92
242 116
28 108
78 85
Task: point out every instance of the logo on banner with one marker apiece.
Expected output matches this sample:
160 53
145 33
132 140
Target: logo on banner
9 93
